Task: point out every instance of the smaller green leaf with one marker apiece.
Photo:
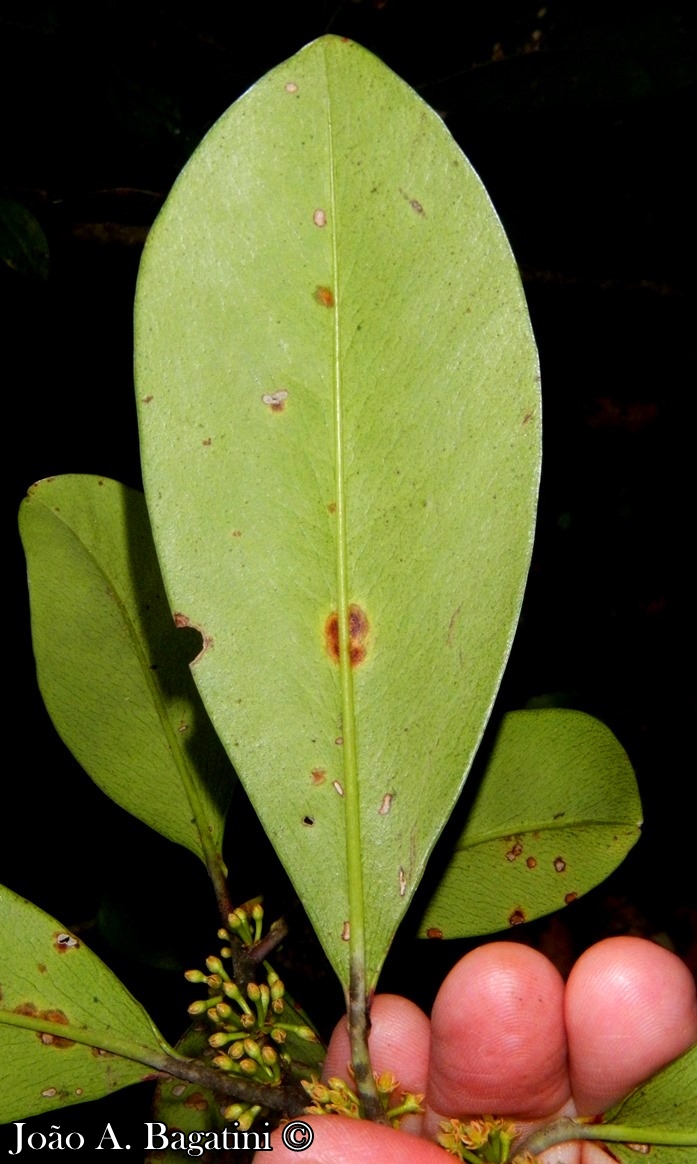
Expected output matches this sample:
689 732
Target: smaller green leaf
661 1112
23 244
557 810
112 667
69 1030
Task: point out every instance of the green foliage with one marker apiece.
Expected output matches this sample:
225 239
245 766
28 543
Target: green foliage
340 420
116 683
557 811
363 437
69 1031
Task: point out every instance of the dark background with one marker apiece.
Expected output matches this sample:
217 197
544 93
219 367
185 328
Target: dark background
578 118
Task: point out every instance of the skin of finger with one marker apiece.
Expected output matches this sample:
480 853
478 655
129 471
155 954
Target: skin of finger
630 1008
400 1039
498 1038
343 1141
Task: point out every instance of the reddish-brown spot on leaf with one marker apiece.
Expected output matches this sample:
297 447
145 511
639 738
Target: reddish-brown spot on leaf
319 775
514 852
332 507
559 864
358 632
324 296
57 1017
569 897
531 862
517 917
434 934
196 1101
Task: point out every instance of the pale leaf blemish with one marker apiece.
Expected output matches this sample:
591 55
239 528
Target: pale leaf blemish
320 218
182 620
147 399
559 864
346 932
517 917
183 727
402 882
179 1089
63 942
338 787
290 87
49 1092
276 401
416 206
339 741
78 1090
515 852
386 804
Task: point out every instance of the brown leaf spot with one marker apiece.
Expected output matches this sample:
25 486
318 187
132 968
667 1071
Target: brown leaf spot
569 897
402 882
147 399
346 932
528 417
531 862
643 1149
182 620
514 852
386 804
517 917
319 775
207 442
559 864
558 815
54 1016
324 296
276 401
197 1101
49 1092
434 934
358 632
308 821
339 741
320 218
41 967
332 506
415 205
63 942
237 533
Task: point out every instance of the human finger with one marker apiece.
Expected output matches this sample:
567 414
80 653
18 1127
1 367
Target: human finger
631 1007
498 1041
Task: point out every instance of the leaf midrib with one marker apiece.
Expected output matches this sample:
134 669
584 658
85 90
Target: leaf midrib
174 746
354 864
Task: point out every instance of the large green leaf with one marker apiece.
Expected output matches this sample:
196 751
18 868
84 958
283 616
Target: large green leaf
111 665
557 810
339 409
69 1030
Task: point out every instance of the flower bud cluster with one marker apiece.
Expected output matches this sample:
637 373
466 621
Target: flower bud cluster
250 1027
336 1096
